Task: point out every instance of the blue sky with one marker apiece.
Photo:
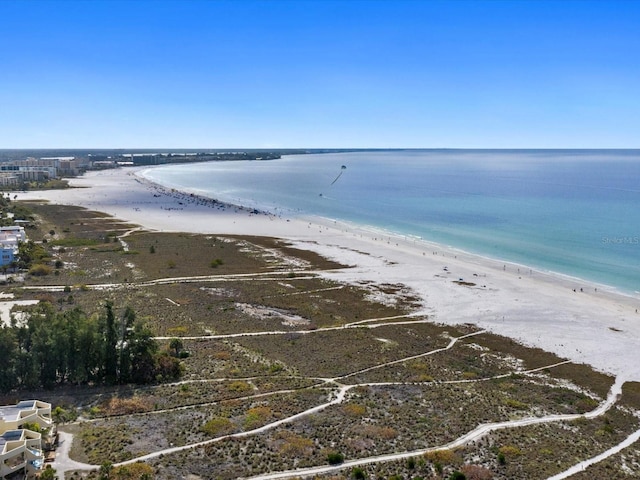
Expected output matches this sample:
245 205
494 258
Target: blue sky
333 74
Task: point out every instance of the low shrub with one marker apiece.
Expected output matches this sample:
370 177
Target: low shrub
335 458
40 270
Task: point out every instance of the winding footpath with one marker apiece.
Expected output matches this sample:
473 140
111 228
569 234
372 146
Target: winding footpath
480 431
580 467
337 396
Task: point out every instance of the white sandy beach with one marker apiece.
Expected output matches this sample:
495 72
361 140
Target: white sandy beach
598 327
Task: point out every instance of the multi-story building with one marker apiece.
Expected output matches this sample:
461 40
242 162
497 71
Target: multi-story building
10 238
12 234
9 179
21 449
38 169
29 172
20 454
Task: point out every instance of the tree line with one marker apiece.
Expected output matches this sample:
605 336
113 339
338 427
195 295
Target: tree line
49 348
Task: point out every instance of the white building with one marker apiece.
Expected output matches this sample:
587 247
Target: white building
20 454
9 179
12 234
28 411
20 449
10 238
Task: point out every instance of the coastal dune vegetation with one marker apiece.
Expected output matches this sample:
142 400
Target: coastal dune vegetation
242 359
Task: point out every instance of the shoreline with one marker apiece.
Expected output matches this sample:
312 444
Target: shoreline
396 236
410 240
599 326
580 276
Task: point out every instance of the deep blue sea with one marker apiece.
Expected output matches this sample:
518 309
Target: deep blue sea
575 212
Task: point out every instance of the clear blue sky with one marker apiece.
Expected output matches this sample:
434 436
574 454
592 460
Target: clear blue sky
222 74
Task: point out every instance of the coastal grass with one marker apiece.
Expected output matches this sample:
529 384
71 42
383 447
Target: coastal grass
310 328
532 358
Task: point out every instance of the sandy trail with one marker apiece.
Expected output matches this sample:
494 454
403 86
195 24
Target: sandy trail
337 397
471 436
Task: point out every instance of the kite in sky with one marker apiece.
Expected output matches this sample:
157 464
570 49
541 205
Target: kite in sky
344 167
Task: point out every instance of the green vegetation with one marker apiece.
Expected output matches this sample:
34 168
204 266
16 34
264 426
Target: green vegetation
456 475
218 426
62 415
216 263
48 473
235 384
335 458
51 348
34 427
74 242
30 253
52 184
358 474
39 270
135 471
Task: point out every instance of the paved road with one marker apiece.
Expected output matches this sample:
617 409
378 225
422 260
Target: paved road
62 462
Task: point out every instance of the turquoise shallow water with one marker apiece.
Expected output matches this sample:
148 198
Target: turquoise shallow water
574 212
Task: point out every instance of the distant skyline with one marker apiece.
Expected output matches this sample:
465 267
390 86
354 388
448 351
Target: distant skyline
319 74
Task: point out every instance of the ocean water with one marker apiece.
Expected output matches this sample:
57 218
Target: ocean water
574 212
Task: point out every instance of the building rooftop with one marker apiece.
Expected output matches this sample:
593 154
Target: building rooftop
11 413
10 436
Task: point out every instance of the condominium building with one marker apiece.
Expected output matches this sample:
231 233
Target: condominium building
21 449
10 238
20 454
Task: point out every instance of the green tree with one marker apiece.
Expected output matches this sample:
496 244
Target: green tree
48 474
71 325
358 473
105 471
110 345
44 351
8 376
126 328
176 345
90 354
58 414
143 355
53 347
30 253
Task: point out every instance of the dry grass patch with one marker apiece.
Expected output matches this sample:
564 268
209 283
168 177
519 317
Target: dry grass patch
345 351
161 255
239 384
631 395
540 451
125 406
580 374
621 466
